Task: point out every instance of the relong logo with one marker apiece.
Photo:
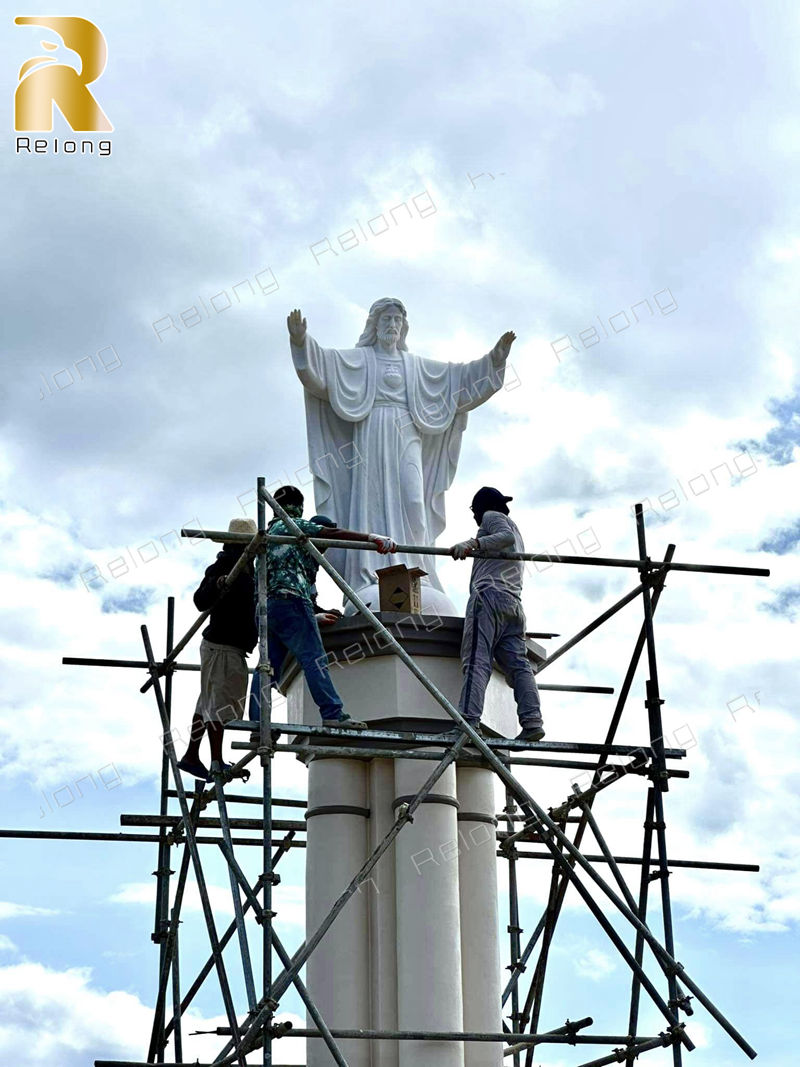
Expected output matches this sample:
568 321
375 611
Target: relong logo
43 81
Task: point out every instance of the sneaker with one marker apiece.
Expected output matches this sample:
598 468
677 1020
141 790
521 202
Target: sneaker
531 733
345 723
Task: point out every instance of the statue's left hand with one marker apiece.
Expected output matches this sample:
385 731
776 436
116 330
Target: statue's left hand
503 346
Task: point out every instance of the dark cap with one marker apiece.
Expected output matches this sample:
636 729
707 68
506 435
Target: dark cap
289 494
490 499
323 520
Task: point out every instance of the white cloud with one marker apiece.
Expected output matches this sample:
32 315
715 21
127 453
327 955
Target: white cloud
50 1016
595 964
9 910
288 900
6 944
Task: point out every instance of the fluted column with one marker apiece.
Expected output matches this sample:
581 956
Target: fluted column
338 971
382 914
429 993
480 947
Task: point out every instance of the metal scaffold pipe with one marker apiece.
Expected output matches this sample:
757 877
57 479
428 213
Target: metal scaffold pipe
257 1027
436 550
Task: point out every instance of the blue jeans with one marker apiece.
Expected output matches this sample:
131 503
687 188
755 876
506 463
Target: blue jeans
292 629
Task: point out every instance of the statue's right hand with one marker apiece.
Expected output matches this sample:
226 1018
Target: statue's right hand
297 327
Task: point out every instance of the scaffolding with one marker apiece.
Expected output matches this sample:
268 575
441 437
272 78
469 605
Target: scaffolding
559 831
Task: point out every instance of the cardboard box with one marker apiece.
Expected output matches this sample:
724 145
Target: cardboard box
399 588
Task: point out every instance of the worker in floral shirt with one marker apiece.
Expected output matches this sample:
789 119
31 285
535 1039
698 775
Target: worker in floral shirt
292 611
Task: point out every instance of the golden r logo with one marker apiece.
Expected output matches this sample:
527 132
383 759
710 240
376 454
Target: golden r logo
42 86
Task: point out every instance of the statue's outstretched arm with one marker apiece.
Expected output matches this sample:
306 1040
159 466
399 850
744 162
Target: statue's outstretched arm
307 356
475 382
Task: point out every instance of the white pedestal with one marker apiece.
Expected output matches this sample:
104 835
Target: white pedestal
417 948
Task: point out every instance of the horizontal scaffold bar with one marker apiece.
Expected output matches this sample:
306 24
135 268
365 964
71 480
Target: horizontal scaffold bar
233 798
208 823
448 737
93 661
364 753
653 861
91 835
471 1036
528 557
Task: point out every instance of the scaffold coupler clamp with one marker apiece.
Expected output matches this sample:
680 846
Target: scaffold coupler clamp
673 1035
402 814
279 1029
682 1003
657 773
654 876
229 773
262 916
572 1030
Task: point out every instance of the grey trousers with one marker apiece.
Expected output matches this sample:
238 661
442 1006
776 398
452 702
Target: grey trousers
494 629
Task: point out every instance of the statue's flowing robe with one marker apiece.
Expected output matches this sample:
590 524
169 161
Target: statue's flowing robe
383 455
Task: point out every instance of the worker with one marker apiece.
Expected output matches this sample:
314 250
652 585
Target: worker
494 626
291 623
230 635
278 652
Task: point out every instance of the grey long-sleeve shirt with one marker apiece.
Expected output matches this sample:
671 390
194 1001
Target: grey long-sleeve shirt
498 533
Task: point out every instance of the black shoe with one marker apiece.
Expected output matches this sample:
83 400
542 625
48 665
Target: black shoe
531 733
345 723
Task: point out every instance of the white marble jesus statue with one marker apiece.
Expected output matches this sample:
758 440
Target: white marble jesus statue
384 434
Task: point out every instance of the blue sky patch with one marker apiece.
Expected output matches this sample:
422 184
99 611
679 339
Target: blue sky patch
136 601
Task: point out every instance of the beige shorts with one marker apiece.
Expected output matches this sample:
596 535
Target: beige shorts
223 682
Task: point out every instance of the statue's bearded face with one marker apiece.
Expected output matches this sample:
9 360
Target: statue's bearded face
390 325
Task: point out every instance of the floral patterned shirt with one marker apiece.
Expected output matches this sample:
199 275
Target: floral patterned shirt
291 571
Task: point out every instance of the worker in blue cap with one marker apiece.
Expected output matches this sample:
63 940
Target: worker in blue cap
494 626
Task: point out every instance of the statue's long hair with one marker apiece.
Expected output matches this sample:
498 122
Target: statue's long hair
370 334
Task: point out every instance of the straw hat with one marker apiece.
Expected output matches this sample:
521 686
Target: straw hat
239 526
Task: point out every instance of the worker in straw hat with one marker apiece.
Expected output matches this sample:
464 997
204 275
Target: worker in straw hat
494 626
230 635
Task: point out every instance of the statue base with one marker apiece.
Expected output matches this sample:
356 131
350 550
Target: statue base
434 601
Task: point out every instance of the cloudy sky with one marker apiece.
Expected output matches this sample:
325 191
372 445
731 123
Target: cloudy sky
616 183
